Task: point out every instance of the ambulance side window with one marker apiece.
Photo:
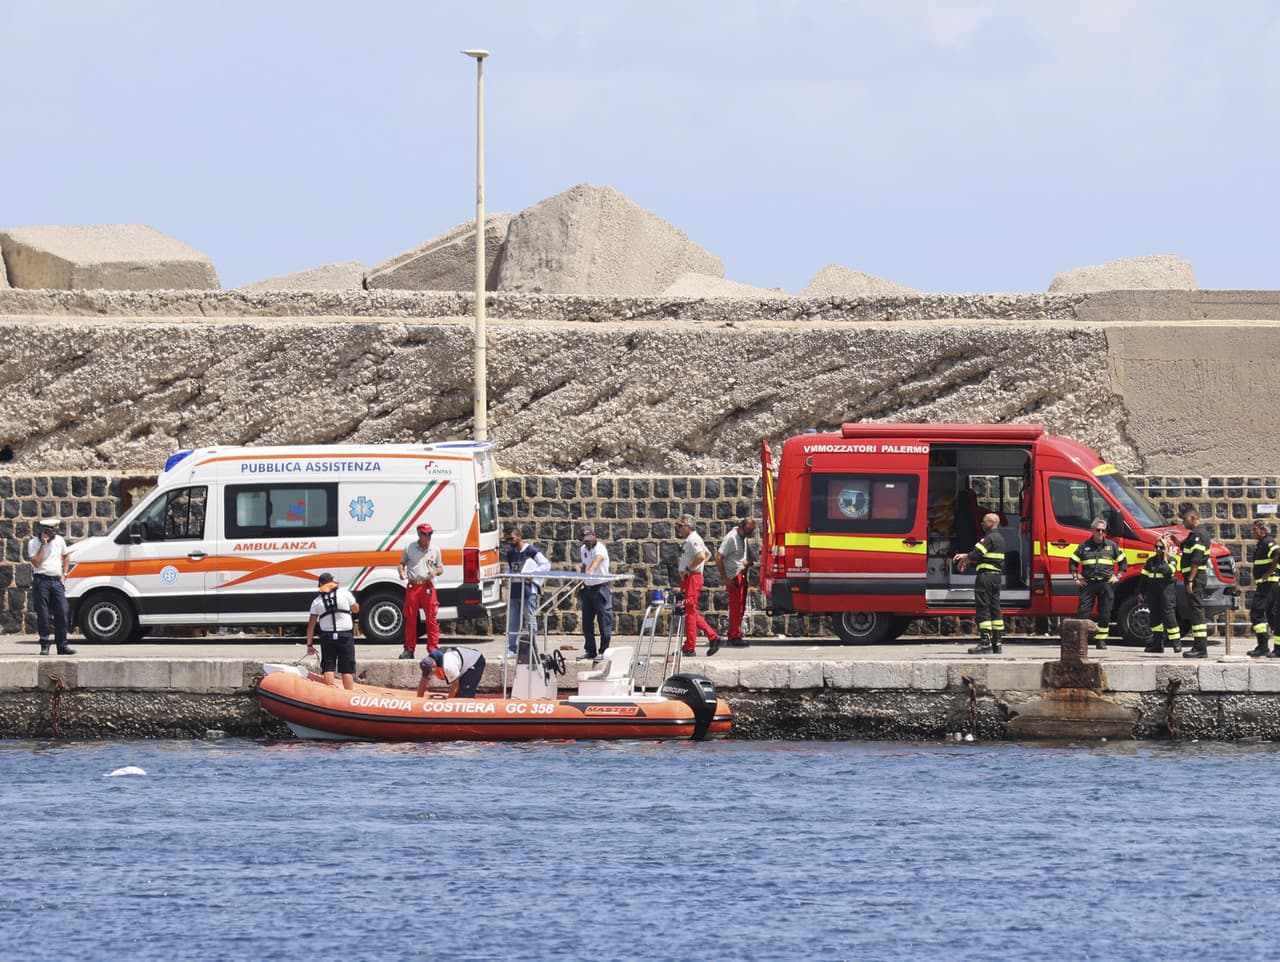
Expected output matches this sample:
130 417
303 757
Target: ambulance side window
487 499
1076 502
863 504
259 510
176 515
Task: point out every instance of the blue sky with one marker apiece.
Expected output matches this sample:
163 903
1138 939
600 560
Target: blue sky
950 146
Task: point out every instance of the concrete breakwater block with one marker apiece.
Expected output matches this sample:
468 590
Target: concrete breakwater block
836 281
592 240
708 285
447 262
1153 273
117 257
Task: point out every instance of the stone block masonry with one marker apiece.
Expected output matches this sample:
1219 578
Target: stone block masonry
634 515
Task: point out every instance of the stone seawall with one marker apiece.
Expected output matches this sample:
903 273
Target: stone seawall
1159 381
634 515
798 699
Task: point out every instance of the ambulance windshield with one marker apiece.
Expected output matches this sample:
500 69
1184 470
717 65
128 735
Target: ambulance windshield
1140 507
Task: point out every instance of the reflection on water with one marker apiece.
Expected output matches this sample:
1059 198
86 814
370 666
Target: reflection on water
776 850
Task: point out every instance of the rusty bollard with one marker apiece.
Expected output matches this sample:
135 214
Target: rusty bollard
1074 669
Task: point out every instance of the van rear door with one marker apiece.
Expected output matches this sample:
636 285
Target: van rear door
867 539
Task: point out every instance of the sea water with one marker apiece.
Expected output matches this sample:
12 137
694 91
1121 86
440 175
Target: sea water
248 850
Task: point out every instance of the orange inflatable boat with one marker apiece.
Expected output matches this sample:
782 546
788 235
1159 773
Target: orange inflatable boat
685 706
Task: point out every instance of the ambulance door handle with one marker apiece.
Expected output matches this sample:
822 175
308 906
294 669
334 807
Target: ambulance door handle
1059 544
197 556
911 542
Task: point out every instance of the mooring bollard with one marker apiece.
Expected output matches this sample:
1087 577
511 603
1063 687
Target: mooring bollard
1075 640
1073 669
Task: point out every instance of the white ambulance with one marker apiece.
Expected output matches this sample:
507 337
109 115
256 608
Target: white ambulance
238 536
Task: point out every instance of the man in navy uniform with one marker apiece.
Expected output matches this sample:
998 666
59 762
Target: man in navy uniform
1096 565
988 556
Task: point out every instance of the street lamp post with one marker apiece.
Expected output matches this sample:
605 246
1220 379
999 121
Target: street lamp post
481 416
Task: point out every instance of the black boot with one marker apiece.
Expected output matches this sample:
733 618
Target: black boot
997 642
1261 651
983 647
1198 650
1155 648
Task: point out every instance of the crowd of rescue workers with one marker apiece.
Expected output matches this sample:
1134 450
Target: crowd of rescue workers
1097 564
330 619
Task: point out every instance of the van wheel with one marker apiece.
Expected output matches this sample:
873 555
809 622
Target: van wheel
864 627
381 617
107 618
1134 621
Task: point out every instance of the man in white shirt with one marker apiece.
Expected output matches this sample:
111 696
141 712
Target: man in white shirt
48 554
733 561
461 667
693 555
331 613
420 565
597 599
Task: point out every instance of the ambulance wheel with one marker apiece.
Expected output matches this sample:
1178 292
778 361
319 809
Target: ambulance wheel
382 618
107 618
1134 621
864 627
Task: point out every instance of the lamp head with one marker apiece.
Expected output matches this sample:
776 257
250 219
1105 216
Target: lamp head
477 54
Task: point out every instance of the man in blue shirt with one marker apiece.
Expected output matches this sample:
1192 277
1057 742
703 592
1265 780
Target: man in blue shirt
522 597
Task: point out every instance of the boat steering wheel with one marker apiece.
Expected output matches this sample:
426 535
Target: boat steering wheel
555 662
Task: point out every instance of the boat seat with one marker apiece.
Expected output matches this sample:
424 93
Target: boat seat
613 677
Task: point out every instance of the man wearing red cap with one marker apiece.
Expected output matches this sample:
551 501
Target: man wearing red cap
420 565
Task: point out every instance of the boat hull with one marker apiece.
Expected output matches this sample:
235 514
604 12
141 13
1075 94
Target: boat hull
313 709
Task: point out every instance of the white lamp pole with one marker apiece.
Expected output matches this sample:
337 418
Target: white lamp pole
481 416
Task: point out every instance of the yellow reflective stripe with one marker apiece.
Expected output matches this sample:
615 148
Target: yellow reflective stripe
853 542
1056 552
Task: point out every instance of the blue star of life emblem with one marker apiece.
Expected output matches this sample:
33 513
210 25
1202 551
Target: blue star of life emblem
361 508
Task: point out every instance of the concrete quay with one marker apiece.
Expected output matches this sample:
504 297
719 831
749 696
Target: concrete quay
778 688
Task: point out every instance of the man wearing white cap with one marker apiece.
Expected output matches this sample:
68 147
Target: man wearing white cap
48 554
420 565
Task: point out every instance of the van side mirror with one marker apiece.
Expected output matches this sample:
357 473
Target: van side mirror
135 533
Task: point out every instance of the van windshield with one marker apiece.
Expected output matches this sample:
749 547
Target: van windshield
1139 506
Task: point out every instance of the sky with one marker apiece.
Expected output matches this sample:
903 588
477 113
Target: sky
951 146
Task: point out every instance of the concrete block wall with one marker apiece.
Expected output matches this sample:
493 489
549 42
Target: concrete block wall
634 515
87 503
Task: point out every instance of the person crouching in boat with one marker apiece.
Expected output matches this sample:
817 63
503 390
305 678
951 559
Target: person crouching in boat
462 668
331 612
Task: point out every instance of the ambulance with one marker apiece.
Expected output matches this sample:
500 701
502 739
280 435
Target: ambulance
861 525
237 536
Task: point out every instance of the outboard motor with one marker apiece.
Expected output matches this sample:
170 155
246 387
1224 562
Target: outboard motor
699 694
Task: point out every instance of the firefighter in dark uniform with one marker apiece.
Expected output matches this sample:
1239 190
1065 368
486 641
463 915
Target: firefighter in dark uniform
988 556
1194 566
1096 565
1266 579
1158 576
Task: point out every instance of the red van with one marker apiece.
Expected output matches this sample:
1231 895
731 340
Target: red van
862 525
